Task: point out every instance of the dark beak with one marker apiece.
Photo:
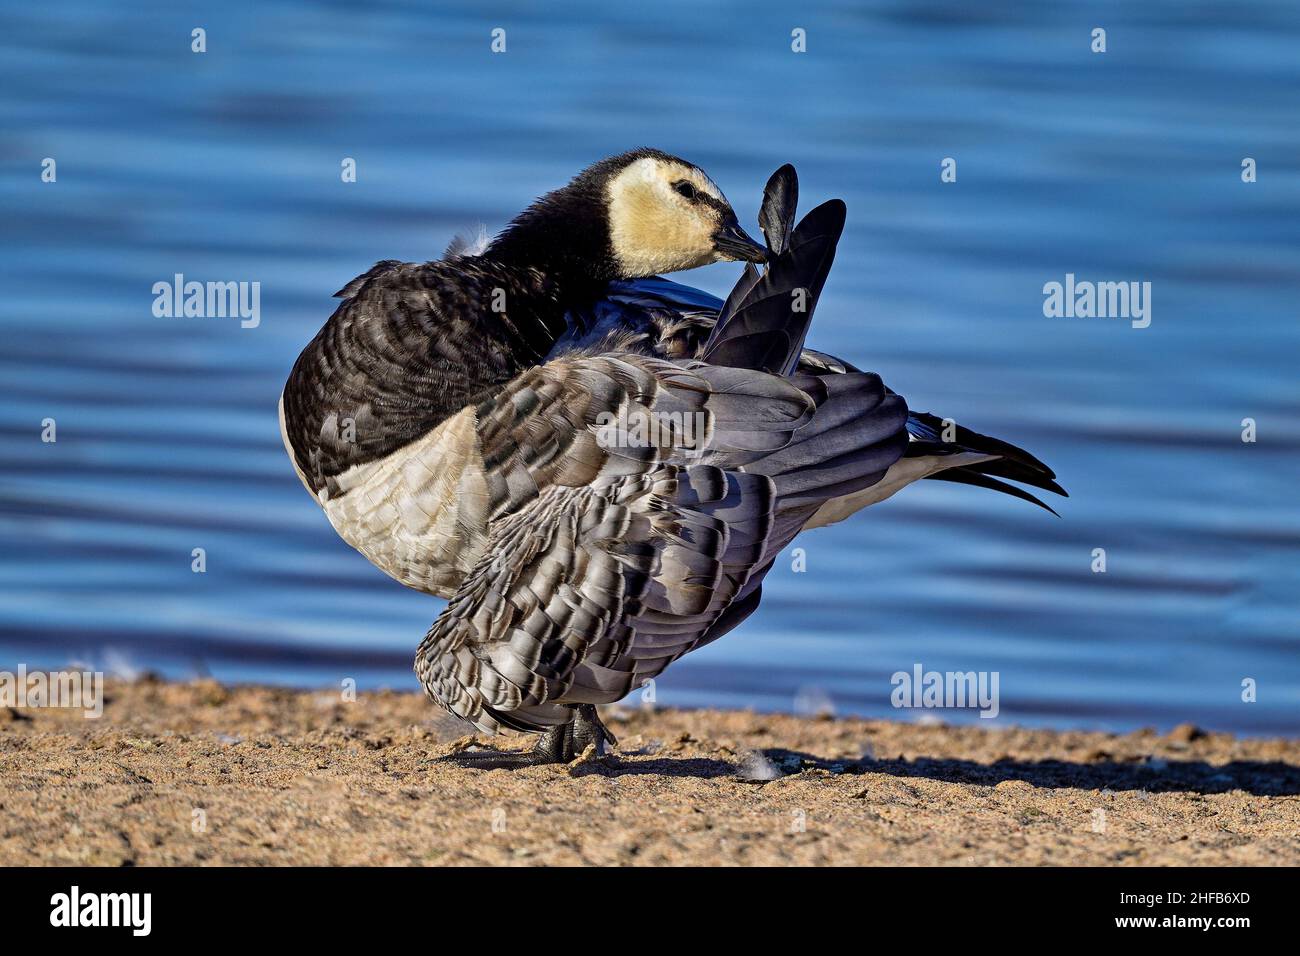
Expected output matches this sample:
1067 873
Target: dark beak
732 242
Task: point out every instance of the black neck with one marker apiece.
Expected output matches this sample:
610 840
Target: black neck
565 234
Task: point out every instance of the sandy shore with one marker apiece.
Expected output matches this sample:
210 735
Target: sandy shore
202 774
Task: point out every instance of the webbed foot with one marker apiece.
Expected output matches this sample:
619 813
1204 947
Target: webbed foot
561 744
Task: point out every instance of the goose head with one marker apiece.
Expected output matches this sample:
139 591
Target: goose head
666 214
631 216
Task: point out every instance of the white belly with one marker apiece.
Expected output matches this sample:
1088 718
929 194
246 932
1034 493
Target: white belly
419 514
900 474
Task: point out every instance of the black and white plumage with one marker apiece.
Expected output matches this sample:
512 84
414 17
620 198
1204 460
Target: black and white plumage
468 450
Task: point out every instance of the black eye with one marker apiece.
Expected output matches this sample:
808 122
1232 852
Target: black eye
685 189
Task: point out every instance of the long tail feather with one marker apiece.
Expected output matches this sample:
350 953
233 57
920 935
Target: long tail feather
780 200
767 328
966 476
1010 462
926 426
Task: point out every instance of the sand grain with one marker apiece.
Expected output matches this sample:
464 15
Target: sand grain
202 774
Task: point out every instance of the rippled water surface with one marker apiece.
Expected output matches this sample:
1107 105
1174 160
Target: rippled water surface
1121 166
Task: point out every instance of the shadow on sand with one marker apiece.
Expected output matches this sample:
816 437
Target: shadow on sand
1271 779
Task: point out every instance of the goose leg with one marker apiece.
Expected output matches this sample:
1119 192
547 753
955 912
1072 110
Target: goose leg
561 744
588 729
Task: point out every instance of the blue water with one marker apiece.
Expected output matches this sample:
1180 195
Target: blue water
1116 166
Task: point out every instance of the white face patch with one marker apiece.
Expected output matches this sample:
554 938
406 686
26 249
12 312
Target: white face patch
653 228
